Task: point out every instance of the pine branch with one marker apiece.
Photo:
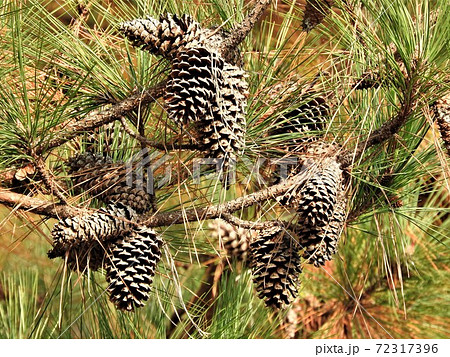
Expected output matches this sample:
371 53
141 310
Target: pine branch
47 178
244 28
54 210
250 224
212 212
153 143
387 130
38 206
71 129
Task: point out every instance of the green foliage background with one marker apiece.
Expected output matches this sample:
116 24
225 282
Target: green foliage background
390 278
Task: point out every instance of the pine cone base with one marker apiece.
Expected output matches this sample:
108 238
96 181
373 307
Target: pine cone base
85 239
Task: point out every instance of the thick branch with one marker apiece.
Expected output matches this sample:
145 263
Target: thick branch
241 32
38 206
72 129
49 209
211 212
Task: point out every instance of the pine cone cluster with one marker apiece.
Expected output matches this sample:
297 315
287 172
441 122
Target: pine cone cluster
441 111
131 266
320 204
110 237
275 265
84 239
204 93
315 12
235 240
107 181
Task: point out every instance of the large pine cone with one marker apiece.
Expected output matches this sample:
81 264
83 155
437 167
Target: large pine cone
222 131
191 90
131 266
204 89
84 239
319 195
321 243
107 181
275 265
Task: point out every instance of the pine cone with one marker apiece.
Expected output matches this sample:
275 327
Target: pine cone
222 131
131 267
308 119
84 239
235 239
107 181
275 265
311 157
441 111
170 34
315 12
368 80
196 74
164 37
319 195
321 243
211 93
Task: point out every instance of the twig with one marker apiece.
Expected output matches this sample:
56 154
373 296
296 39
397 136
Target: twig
249 224
385 131
241 32
71 129
153 143
48 180
83 14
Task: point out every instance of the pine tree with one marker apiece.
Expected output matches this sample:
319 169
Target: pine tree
358 103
